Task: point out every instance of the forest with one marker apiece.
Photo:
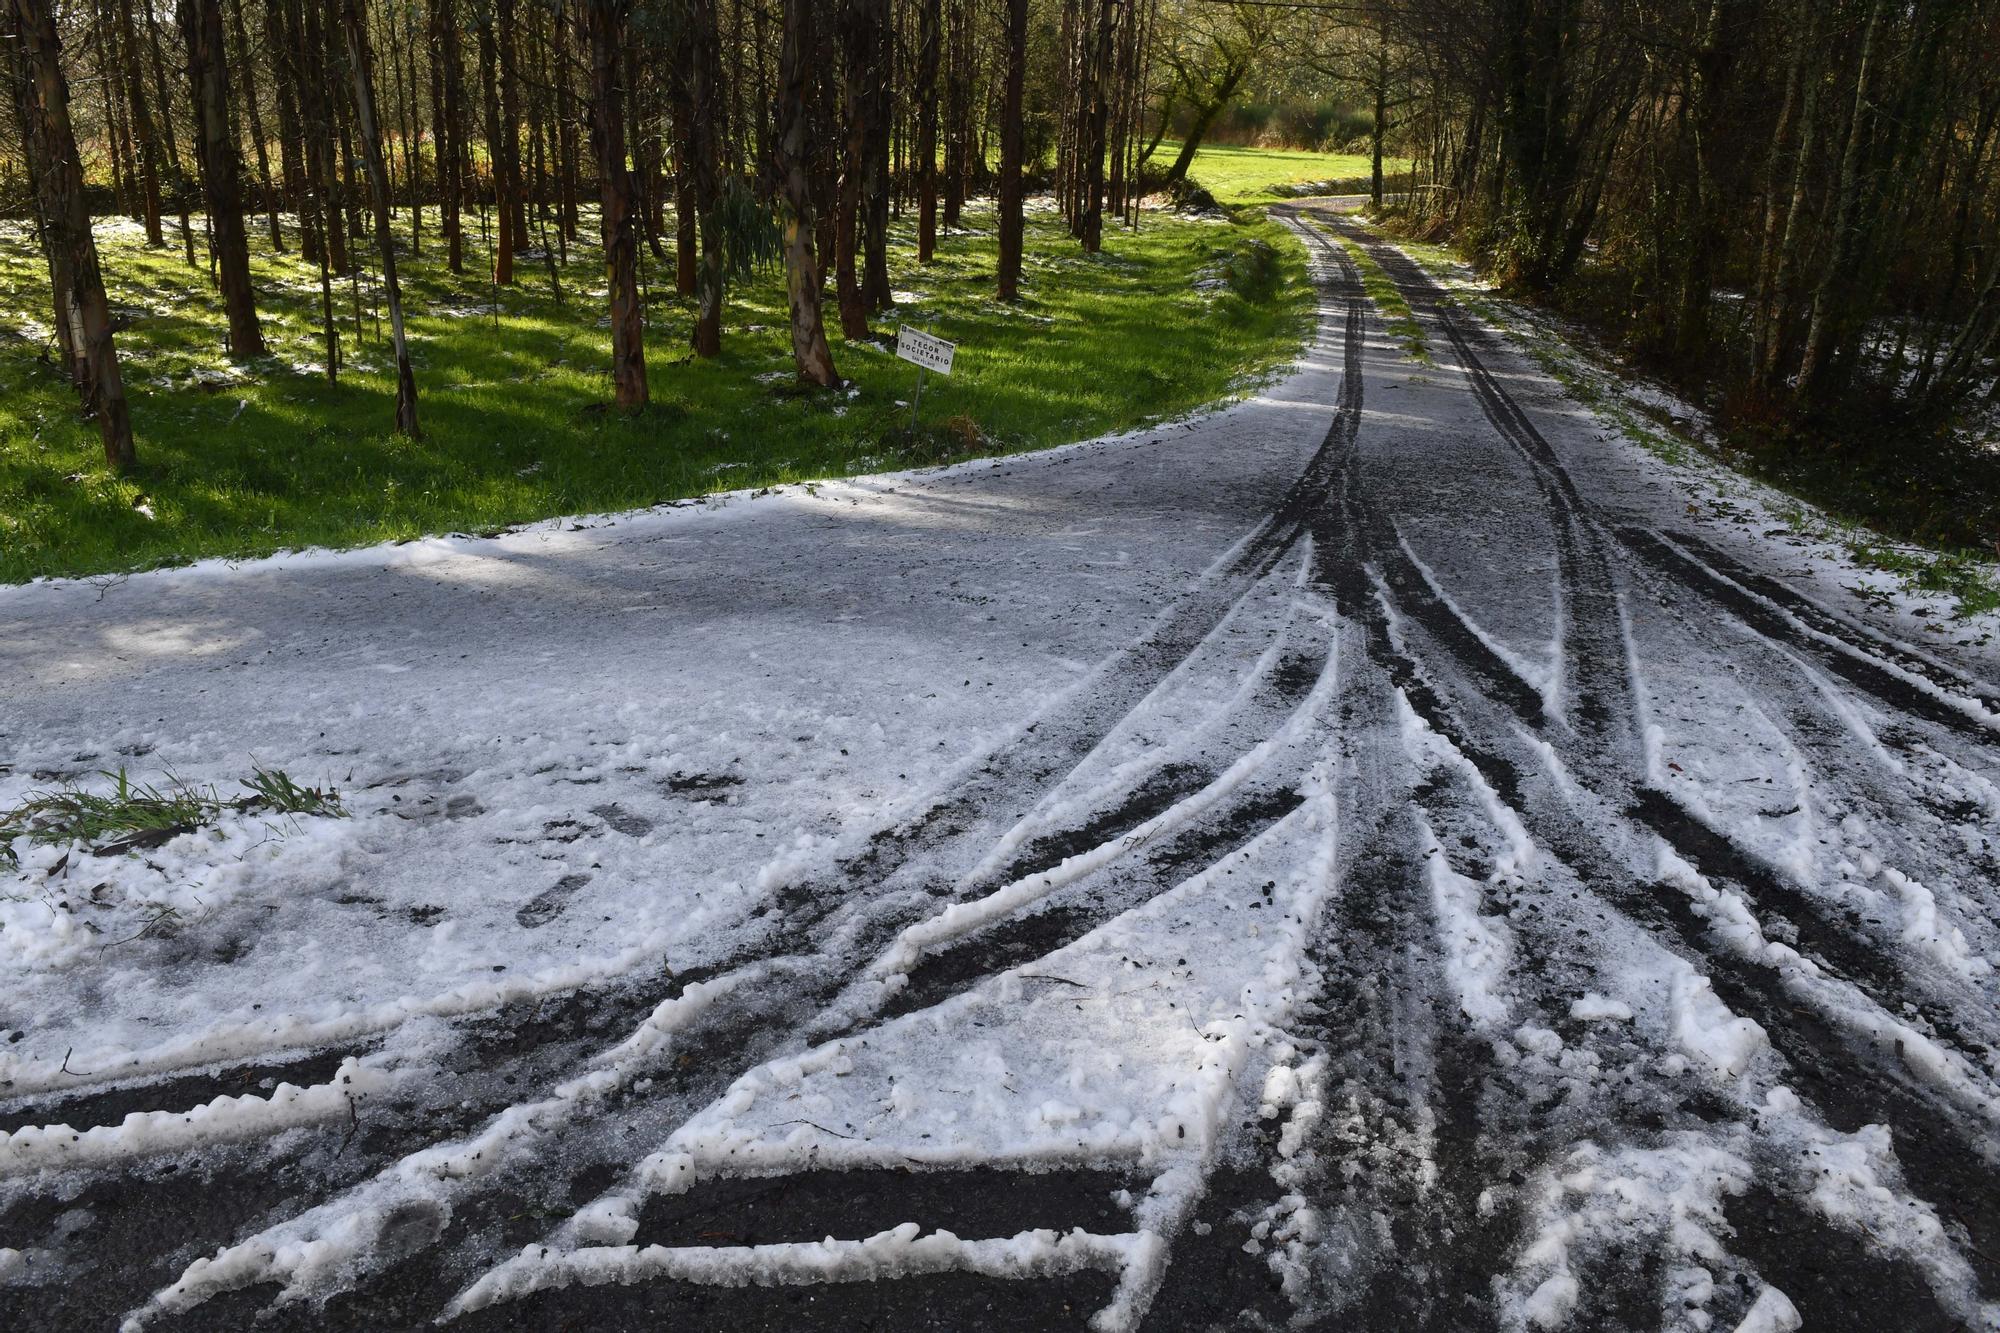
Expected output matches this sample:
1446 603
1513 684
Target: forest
1786 208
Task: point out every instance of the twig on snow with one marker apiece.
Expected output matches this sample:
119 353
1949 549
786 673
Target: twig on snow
1039 976
814 1123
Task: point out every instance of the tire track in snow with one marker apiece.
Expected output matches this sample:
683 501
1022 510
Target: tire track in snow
1823 1051
1592 619
1830 934
1048 748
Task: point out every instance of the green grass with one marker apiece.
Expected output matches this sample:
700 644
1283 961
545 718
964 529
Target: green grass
134 815
248 460
1258 175
1959 575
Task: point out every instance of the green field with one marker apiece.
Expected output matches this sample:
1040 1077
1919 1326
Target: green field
1253 175
249 459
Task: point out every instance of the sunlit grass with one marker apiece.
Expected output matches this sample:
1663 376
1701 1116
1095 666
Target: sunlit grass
245 460
1259 175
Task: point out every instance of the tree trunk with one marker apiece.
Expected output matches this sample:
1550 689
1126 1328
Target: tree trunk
448 95
164 101
958 112
360 61
241 38
506 39
604 27
142 125
1828 309
291 141
307 47
65 221
875 229
794 149
705 112
497 156
1092 228
824 168
1204 117
1011 151
324 166
566 153
119 157
929 16
1777 315
201 22
18 85
409 120
1378 127
858 47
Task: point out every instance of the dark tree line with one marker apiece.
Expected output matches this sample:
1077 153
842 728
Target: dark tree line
1790 201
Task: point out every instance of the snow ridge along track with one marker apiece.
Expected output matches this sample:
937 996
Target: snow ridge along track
1465 905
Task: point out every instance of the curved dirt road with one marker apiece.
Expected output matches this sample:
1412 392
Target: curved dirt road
1366 857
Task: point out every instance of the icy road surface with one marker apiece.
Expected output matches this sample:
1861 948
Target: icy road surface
1372 857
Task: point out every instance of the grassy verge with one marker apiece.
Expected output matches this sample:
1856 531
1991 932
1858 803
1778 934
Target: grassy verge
1270 175
1849 506
241 461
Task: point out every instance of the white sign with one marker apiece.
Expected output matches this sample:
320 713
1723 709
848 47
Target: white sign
920 348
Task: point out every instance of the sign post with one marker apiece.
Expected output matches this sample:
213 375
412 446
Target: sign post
925 353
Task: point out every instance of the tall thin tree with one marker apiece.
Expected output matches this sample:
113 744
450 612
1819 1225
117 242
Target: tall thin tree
65 219
240 41
361 61
142 123
208 74
930 14
1012 150
604 26
796 143
706 111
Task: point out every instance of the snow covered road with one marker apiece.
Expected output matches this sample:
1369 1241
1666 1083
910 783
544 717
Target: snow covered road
1369 856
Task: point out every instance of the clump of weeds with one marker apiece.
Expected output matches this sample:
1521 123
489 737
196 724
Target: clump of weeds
132 815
